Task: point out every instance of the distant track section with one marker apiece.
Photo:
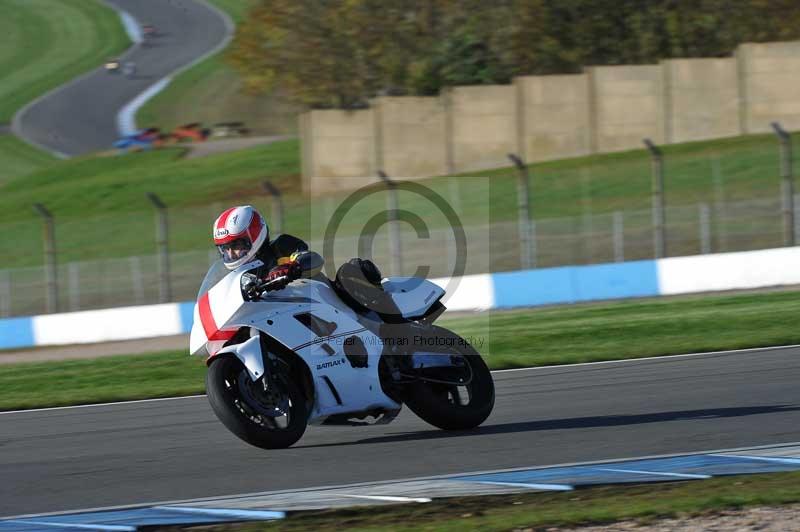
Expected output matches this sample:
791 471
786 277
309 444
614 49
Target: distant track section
81 116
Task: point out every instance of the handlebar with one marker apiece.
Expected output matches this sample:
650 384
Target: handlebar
269 286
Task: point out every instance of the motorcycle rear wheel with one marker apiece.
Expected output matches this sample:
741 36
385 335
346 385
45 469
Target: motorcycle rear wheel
452 407
242 405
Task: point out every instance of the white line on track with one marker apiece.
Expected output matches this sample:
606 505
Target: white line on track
653 473
780 460
580 364
534 486
158 399
73 526
224 512
662 357
388 498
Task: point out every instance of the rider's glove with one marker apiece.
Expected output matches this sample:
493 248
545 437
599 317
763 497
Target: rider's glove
250 287
289 272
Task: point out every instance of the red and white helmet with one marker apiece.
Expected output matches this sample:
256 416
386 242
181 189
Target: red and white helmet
239 233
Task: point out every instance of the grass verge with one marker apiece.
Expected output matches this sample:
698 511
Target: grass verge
72 36
523 338
18 158
746 167
118 184
598 506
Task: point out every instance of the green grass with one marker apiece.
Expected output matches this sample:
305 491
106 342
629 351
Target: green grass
46 43
539 511
18 158
115 186
101 380
563 335
631 329
121 223
212 91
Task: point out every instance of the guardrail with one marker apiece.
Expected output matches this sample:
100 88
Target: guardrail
547 286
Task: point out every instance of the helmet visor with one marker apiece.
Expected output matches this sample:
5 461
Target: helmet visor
233 251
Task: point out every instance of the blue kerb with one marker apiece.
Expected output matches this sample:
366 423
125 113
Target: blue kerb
16 332
187 316
138 517
571 284
634 471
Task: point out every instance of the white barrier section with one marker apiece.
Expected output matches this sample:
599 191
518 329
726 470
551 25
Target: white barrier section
126 118
729 271
471 292
131 26
125 323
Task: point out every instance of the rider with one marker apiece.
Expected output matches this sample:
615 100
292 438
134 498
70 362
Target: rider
241 236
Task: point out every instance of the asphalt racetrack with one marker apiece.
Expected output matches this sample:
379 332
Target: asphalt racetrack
81 117
77 458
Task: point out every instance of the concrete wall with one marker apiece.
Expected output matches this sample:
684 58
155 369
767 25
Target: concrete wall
609 108
410 136
702 99
554 116
483 122
336 144
628 106
770 84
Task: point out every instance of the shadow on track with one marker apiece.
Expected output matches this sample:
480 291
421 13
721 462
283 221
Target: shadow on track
572 423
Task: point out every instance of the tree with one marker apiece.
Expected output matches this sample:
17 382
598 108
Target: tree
326 53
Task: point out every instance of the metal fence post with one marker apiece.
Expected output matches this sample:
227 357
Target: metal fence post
796 214
162 246
704 219
277 206
527 242
5 294
587 215
719 205
787 184
619 237
394 226
73 272
659 239
51 272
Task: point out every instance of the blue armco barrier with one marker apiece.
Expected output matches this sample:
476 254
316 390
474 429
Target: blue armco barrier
187 316
571 284
533 287
16 332
615 281
547 286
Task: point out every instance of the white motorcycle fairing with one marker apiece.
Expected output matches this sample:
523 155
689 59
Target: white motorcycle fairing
308 318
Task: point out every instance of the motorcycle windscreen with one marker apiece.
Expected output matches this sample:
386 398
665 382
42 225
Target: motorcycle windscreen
215 307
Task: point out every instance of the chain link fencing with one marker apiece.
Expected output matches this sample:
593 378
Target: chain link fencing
596 212
586 239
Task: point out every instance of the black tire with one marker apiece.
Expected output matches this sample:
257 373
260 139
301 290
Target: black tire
226 382
439 404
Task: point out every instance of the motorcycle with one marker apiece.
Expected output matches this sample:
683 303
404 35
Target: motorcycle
285 356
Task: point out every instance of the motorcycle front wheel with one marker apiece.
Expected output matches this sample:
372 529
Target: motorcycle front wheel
451 406
270 416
